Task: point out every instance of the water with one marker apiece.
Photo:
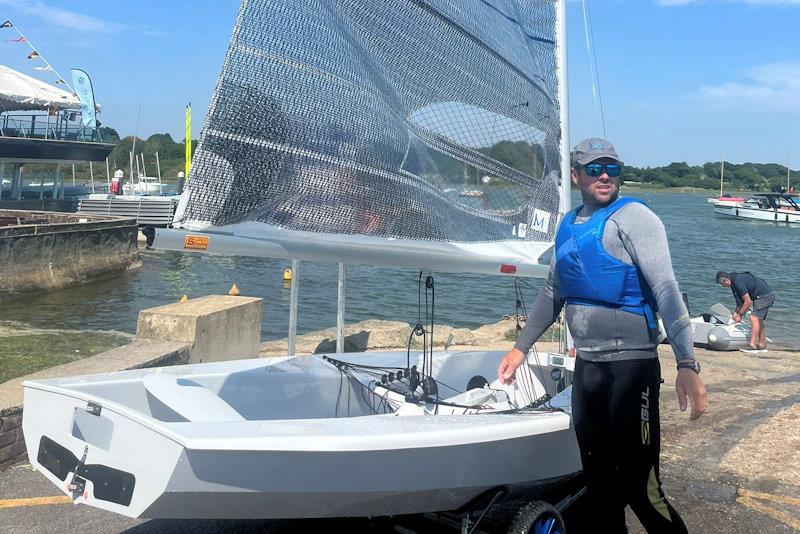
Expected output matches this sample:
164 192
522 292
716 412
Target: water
701 243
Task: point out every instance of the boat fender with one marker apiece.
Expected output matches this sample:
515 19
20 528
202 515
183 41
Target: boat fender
719 338
287 275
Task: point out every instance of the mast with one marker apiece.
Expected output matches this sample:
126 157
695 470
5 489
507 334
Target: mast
788 150
158 170
563 97
721 172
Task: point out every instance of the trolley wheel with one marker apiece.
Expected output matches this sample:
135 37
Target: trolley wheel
537 517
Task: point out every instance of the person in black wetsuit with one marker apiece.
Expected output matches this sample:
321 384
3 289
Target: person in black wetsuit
750 290
611 270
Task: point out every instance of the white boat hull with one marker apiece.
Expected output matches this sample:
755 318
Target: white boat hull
743 211
155 452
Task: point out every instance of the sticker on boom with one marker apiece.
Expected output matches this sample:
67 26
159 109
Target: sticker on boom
199 242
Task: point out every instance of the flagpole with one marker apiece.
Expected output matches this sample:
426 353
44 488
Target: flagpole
188 142
9 24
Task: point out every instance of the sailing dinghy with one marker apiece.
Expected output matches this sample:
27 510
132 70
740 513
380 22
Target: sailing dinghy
299 437
344 131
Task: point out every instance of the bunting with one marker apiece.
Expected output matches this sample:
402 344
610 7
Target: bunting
33 54
17 40
43 69
60 80
6 24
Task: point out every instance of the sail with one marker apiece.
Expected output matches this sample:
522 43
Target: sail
418 133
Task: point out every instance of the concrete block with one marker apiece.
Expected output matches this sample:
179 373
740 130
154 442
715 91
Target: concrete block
219 327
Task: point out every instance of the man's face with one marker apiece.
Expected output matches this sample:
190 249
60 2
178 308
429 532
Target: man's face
596 190
725 282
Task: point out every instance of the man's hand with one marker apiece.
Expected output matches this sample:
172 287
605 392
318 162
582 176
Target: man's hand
508 365
688 384
737 318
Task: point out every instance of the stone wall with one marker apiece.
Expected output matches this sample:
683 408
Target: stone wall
12 443
64 251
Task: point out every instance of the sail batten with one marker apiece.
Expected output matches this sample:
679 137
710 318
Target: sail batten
431 123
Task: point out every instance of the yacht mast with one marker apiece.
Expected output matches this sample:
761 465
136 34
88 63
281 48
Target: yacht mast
563 100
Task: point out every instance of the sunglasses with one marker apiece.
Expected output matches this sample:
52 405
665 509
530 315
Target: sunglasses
596 169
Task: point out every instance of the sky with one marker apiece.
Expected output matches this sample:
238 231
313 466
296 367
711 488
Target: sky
680 80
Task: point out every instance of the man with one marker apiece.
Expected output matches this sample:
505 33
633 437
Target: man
611 267
750 290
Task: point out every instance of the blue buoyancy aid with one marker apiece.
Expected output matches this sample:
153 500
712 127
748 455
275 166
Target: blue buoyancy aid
590 276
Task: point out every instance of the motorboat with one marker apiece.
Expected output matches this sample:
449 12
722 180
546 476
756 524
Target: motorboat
725 200
145 185
304 436
717 330
773 207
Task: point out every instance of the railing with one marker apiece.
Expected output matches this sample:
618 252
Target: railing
46 127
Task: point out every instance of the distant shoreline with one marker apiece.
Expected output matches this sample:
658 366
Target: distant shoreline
647 188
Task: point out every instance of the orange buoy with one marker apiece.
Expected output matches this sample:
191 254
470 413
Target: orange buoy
184 299
234 291
287 275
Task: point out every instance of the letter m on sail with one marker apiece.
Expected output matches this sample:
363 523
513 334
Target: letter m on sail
541 221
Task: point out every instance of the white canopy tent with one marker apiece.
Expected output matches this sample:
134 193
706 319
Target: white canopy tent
19 91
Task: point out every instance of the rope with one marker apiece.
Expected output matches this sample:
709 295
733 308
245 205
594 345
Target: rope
593 71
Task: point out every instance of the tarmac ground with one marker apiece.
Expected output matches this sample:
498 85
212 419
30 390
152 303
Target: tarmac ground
735 470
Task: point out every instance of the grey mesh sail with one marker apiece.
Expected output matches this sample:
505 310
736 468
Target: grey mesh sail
413 133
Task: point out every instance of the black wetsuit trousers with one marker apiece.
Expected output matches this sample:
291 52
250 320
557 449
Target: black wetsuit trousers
615 412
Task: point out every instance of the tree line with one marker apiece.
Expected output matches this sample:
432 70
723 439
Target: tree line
518 155
737 177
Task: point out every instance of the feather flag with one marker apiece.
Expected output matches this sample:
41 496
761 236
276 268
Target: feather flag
33 54
6 24
83 88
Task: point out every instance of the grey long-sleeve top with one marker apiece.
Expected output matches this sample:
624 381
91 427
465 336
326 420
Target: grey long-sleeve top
634 235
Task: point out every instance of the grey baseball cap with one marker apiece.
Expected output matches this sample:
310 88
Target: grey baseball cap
591 149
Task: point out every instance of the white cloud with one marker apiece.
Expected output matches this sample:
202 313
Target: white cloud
672 3
771 87
72 20
62 18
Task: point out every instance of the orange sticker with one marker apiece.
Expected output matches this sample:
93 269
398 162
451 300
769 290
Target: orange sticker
195 241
